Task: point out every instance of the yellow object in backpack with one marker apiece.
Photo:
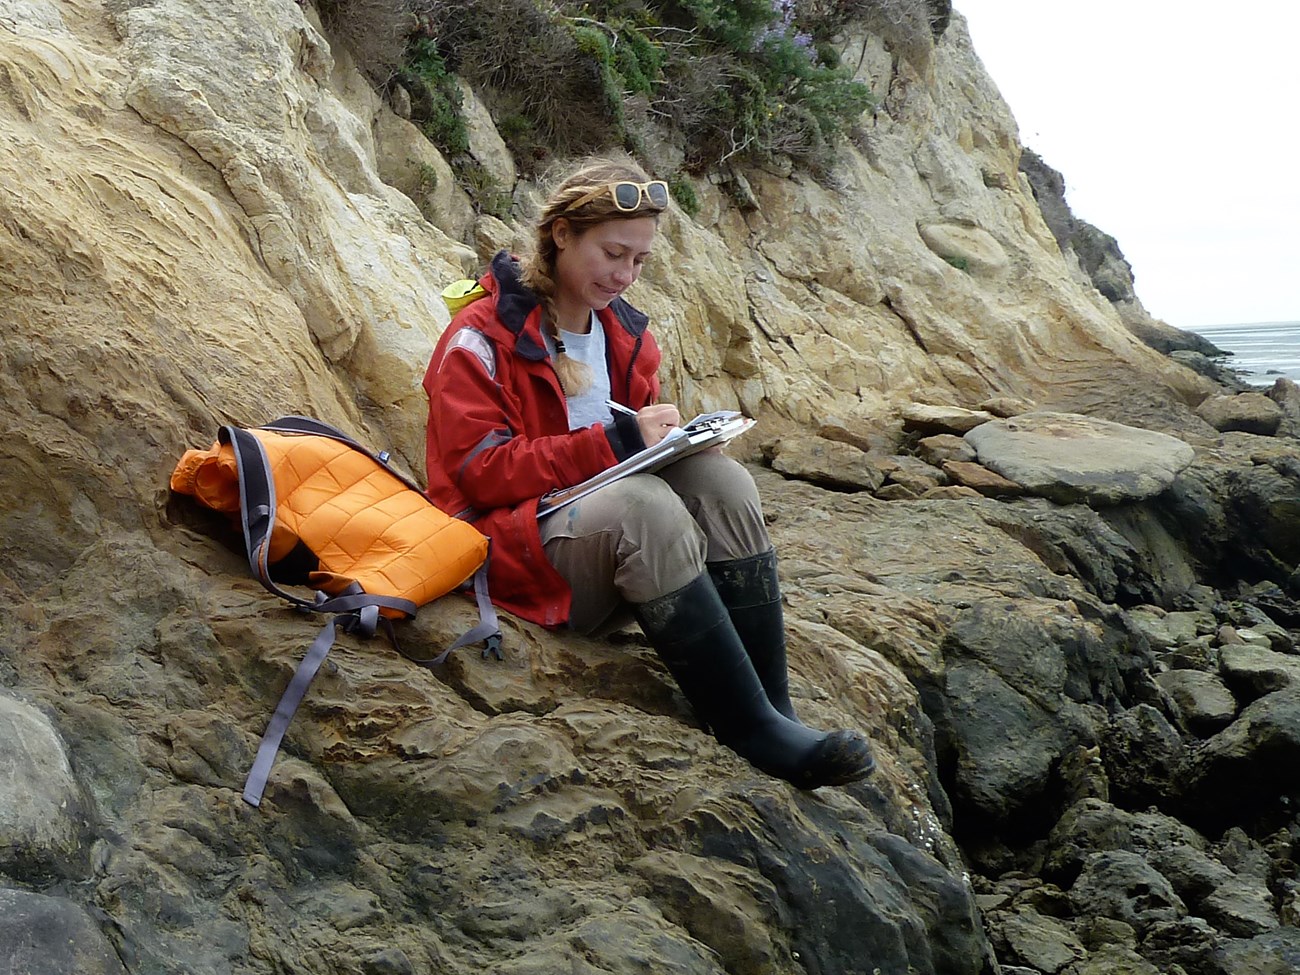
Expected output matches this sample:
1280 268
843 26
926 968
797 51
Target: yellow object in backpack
458 294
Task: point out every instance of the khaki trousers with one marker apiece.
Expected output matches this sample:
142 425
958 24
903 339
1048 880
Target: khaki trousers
650 534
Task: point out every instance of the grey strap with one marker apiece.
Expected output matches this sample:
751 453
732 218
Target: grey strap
284 711
488 629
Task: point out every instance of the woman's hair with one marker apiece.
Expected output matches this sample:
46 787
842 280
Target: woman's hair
538 269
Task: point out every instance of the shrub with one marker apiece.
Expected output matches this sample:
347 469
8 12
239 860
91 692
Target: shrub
908 27
527 61
773 92
684 193
730 80
487 194
435 98
374 31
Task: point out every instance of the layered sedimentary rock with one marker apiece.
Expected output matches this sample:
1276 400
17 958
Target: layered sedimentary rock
206 215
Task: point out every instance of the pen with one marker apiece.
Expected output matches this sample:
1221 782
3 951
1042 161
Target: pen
619 408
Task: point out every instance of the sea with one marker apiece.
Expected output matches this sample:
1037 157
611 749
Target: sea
1261 351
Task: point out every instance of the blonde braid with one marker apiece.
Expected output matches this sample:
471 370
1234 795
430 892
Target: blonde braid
538 270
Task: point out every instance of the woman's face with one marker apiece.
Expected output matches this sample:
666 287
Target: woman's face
595 267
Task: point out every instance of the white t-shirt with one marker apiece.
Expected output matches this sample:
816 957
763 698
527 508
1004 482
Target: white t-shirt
589 407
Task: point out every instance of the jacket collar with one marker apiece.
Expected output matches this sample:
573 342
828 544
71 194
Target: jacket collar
518 309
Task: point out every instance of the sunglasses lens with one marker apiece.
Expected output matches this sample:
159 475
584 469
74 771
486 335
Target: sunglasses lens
627 196
657 193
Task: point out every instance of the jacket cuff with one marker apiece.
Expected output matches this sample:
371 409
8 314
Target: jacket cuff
624 436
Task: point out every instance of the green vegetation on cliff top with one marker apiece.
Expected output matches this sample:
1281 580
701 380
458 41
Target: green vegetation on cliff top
713 80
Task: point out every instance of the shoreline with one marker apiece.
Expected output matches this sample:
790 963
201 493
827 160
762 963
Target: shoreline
1259 352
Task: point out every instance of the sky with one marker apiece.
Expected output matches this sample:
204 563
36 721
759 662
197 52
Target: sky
1177 129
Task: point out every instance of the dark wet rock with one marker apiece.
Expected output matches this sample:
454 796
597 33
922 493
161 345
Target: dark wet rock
1142 753
42 935
1078 541
1165 630
1286 394
1240 907
1189 943
1245 772
1238 506
1093 825
1194 874
1274 952
1204 704
1123 886
1253 671
1277 605
1015 688
1042 943
1211 368
847 925
1115 960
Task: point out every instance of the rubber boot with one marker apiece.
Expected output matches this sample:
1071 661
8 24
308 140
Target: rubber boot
752 594
692 633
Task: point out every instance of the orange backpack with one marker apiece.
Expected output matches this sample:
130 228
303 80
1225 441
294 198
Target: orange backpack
374 547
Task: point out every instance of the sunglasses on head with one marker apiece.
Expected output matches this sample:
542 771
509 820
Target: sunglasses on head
627 195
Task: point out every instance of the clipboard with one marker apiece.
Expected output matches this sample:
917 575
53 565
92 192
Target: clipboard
706 430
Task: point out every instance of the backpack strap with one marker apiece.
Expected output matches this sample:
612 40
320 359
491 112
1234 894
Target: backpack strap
362 622
488 629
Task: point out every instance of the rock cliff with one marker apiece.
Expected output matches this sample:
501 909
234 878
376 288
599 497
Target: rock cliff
208 215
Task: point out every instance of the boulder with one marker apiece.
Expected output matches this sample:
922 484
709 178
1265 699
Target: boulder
1253 670
1275 952
41 810
1142 753
1204 704
42 935
829 463
927 419
1246 771
944 446
981 479
1251 412
1042 943
1123 886
1071 458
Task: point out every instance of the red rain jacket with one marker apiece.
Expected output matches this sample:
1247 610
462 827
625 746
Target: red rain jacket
498 436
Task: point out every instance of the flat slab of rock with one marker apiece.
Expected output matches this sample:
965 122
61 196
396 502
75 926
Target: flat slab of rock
1071 458
980 478
941 419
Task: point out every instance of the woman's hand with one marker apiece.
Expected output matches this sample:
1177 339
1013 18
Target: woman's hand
656 420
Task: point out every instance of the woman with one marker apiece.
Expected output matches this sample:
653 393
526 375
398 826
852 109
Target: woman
519 391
